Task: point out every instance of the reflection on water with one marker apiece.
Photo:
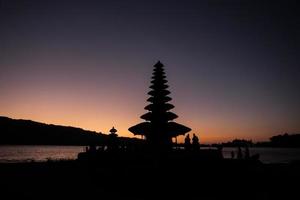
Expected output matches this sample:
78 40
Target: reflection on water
44 153
38 153
269 155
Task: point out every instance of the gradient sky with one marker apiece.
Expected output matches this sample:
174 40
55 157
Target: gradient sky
233 66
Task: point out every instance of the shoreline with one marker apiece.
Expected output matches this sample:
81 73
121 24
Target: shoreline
39 153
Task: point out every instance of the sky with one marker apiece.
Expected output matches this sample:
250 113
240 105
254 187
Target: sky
232 66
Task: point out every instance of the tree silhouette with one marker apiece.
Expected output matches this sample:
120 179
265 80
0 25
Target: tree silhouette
159 128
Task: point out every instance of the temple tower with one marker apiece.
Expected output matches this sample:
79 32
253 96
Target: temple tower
159 128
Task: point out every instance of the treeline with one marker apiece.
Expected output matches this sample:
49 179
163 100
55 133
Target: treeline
238 142
283 140
27 132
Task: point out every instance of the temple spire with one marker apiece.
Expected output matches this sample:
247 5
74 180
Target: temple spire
159 128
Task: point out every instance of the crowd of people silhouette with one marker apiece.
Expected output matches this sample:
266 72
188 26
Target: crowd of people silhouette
240 154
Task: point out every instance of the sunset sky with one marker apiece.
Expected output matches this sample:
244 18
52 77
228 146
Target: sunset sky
233 66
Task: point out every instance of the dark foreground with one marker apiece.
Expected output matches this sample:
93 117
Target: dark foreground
225 179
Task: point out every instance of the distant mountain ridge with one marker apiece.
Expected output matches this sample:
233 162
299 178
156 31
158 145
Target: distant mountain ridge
28 132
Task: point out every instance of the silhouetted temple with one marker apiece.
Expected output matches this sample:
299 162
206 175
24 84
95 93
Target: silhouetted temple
159 128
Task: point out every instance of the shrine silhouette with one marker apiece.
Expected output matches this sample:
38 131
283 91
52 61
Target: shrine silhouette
157 131
159 128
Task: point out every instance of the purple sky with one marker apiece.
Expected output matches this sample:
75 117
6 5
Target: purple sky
233 66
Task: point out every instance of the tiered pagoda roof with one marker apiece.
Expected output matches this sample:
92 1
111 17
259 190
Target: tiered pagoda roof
159 127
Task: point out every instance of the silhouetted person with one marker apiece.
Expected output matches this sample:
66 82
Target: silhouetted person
247 153
232 154
220 149
92 148
100 148
187 142
195 143
239 153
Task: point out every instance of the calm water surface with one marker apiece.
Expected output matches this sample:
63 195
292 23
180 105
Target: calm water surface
38 153
269 155
44 153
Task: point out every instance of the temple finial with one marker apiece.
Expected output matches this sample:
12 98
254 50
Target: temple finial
158 64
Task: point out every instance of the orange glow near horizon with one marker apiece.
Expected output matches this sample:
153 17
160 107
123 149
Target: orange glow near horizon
122 123
100 108
101 114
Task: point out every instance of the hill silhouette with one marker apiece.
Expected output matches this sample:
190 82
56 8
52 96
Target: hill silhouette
27 132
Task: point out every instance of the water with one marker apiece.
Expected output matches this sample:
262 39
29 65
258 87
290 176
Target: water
38 153
269 155
44 153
